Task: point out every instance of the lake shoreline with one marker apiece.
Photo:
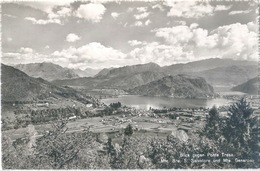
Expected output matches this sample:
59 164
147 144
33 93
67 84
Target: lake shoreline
159 102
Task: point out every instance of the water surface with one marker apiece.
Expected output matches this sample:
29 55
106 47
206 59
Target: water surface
145 102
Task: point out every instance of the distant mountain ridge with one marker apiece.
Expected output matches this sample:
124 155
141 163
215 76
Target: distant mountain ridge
227 72
182 86
217 72
18 86
121 78
129 70
120 82
46 71
229 75
103 72
203 65
88 72
131 80
250 87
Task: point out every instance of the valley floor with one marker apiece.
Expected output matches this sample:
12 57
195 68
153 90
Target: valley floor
156 132
113 125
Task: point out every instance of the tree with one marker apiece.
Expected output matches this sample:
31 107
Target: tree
58 149
133 154
111 151
19 154
129 130
212 126
165 154
109 147
10 157
115 105
241 128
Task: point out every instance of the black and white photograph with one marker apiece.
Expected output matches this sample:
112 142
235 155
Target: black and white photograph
141 84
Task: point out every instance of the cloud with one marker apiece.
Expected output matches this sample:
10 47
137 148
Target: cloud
190 43
180 22
26 50
24 55
138 24
130 9
175 35
91 12
114 15
202 39
9 39
147 22
178 44
238 41
193 8
252 27
72 37
43 22
10 16
158 6
194 25
57 17
142 15
222 7
189 8
126 24
239 12
136 43
141 9
30 57
141 24
63 12
45 6
159 53
93 53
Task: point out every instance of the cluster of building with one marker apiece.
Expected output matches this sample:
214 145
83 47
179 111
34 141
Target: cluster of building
254 101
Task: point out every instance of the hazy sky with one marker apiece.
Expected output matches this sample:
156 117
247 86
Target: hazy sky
111 34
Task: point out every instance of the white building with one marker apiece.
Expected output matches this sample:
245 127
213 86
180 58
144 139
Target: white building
89 105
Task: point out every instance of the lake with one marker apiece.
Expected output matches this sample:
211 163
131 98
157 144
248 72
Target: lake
145 102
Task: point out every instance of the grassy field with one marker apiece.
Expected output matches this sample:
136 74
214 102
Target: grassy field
112 125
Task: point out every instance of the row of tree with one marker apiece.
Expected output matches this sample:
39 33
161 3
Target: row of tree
25 117
239 133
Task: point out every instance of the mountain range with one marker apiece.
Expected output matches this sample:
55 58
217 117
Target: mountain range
131 76
129 70
88 72
18 86
217 72
50 71
121 78
250 86
181 86
228 75
203 65
46 71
